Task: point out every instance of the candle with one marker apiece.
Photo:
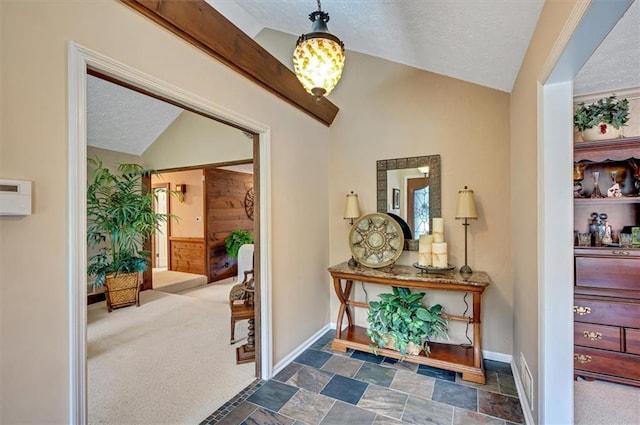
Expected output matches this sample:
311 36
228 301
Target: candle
438 229
439 255
424 250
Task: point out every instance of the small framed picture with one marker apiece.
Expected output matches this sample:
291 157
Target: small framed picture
635 236
396 199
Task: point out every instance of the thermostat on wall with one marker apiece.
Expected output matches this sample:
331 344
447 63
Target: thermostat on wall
15 197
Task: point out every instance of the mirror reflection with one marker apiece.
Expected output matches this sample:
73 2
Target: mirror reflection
408 189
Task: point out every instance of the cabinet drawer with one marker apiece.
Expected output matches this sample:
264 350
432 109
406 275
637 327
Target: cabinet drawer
632 339
608 272
616 313
597 336
606 362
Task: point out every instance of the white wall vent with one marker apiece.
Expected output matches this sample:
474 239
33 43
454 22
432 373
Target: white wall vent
527 380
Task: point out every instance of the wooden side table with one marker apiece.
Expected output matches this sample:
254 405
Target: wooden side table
464 359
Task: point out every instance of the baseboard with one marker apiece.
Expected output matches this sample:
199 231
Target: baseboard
498 357
524 402
334 325
300 349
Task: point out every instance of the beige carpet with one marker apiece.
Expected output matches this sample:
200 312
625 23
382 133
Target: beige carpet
175 282
166 362
605 403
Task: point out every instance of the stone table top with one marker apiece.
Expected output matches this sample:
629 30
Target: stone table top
413 274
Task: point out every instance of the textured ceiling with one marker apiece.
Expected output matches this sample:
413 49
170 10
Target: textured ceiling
122 120
616 62
478 41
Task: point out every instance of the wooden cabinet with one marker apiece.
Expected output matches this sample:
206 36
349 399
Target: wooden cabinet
607 278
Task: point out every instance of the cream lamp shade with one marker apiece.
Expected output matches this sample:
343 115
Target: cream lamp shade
424 170
351 207
318 58
466 204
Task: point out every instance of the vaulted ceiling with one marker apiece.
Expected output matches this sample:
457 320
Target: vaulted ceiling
479 41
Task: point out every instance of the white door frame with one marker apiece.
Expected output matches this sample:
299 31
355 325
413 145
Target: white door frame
161 249
79 58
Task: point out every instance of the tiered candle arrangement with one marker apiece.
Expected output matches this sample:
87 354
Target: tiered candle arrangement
432 249
424 250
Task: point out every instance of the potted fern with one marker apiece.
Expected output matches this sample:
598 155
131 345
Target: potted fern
235 240
401 322
120 218
603 119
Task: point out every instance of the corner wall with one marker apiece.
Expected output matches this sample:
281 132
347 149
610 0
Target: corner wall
526 193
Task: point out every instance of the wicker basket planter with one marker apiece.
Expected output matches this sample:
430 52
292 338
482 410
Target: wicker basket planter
122 290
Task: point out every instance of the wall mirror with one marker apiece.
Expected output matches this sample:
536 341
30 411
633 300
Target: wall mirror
406 192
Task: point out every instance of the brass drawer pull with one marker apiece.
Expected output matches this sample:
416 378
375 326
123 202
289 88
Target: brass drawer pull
614 252
582 358
581 310
593 336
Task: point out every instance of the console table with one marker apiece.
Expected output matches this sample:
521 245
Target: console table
464 359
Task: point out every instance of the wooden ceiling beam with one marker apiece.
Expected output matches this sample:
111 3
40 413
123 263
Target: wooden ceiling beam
206 28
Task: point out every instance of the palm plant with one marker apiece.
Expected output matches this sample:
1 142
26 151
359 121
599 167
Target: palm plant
120 217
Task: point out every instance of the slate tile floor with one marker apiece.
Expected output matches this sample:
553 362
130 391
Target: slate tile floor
325 387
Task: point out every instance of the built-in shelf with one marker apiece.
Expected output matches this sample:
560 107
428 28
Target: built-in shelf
608 201
607 150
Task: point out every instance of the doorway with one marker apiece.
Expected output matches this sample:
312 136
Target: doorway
81 59
160 245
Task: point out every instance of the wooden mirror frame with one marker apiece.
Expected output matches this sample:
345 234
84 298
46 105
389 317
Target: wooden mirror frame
433 161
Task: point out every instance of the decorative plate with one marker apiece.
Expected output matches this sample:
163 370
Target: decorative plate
376 240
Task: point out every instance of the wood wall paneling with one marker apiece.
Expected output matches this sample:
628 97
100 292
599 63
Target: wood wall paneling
187 255
225 193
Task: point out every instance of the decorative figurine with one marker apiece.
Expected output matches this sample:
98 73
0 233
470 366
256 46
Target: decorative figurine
596 190
606 238
614 191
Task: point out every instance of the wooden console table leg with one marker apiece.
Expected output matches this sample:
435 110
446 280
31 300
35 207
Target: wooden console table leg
477 336
343 296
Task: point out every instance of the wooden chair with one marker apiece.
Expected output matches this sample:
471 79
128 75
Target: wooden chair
241 301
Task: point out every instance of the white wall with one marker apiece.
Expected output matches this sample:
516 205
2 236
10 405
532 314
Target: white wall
196 140
35 329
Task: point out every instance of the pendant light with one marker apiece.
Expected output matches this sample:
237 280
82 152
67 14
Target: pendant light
318 58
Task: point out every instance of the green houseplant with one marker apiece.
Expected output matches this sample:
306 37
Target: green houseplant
235 240
400 320
120 218
602 119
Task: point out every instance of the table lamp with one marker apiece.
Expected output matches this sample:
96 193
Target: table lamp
351 212
466 209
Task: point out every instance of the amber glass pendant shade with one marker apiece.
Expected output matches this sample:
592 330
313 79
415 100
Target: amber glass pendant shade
318 58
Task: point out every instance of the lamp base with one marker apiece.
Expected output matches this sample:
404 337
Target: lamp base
352 263
465 269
